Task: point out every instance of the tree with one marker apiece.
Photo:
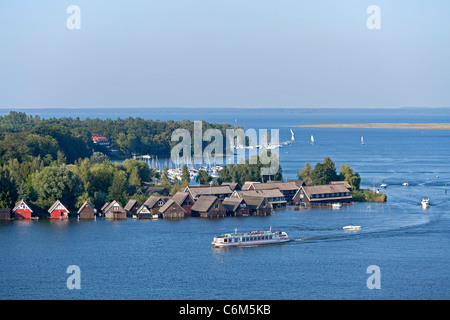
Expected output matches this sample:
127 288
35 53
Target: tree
324 173
306 173
118 188
203 177
57 183
8 189
352 178
185 176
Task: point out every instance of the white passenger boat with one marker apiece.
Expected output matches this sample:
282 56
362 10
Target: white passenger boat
351 228
425 203
250 238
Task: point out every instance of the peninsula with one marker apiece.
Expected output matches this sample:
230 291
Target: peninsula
436 126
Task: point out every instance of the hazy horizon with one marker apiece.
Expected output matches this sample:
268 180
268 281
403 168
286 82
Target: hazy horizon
224 54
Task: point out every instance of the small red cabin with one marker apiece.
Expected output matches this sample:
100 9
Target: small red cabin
22 210
58 211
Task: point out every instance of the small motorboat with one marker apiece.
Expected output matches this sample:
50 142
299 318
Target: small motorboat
405 184
425 203
383 185
336 205
351 228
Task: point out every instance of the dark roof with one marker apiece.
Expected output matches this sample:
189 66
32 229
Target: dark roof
269 193
210 190
152 201
159 190
130 204
276 185
233 185
84 205
254 203
180 197
204 203
169 204
232 203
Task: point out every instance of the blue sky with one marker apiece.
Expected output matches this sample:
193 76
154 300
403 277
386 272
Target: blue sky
224 53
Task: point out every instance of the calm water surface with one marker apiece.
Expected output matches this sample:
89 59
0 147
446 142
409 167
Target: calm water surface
139 259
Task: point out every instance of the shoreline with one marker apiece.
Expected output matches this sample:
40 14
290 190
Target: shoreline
433 126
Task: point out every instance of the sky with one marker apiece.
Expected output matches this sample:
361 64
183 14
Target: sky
224 53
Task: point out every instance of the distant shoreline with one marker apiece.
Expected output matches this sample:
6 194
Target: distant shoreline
435 126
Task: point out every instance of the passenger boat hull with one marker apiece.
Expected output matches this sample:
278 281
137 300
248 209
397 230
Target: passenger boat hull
250 239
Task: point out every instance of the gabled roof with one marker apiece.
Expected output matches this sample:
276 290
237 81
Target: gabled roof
53 207
18 203
180 197
168 205
326 189
153 200
255 203
232 203
130 204
84 206
270 193
204 203
248 184
209 190
143 209
282 186
113 204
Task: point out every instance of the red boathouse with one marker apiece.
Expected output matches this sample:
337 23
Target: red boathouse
58 211
22 210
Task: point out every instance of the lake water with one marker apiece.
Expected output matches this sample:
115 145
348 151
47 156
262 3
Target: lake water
147 259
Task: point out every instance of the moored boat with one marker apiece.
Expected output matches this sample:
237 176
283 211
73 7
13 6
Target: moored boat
351 228
336 205
252 238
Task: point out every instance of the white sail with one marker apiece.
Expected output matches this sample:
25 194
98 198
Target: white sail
292 133
362 139
312 139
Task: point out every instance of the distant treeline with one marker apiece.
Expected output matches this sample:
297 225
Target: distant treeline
24 137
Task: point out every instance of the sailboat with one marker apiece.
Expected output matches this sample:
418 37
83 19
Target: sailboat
312 139
292 135
362 140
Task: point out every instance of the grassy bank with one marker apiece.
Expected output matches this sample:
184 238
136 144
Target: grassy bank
365 195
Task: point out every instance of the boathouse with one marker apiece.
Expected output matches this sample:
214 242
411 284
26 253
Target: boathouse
258 206
185 200
86 212
21 210
114 211
208 207
153 203
274 196
288 189
5 213
322 195
172 210
236 207
144 213
58 211
131 207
